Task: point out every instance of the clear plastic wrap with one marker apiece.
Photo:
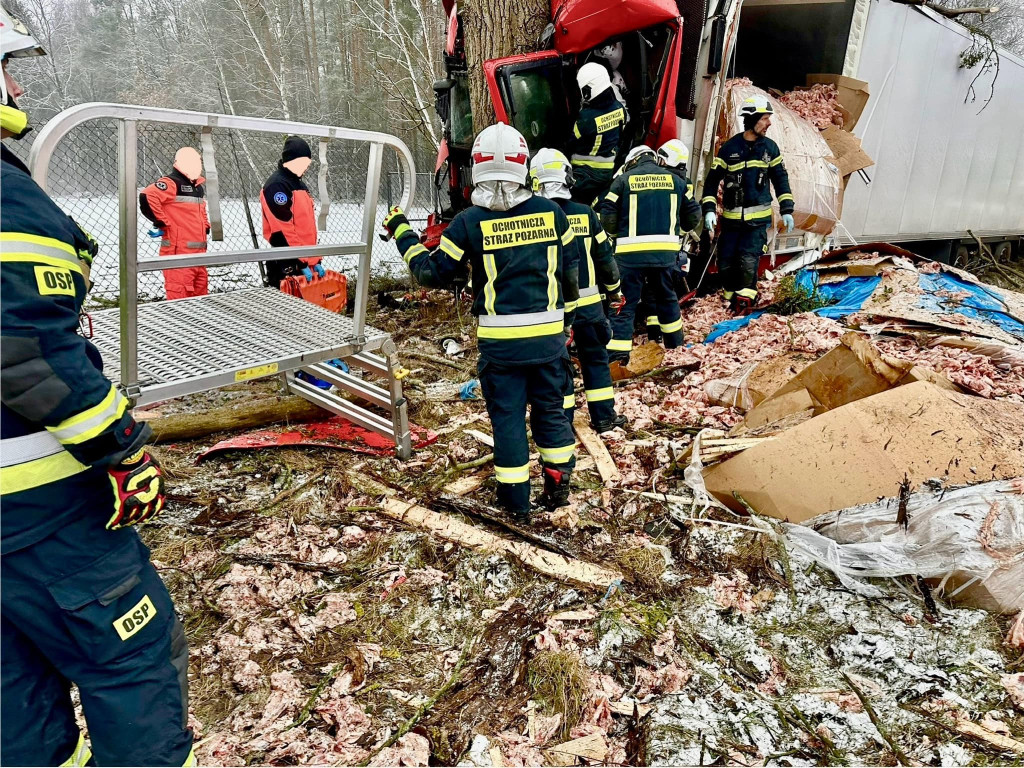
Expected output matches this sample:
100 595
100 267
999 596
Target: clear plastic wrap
814 179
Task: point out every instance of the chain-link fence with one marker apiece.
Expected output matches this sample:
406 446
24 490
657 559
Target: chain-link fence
83 179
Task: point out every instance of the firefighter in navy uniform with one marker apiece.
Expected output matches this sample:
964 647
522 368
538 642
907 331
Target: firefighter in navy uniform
598 273
746 163
81 602
596 134
673 156
647 209
513 241
289 218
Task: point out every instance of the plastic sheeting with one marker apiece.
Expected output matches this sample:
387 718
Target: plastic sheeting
813 176
968 541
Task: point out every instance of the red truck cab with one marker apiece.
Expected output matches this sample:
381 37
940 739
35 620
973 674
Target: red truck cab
536 92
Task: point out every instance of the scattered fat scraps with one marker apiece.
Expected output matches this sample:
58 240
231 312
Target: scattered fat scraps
411 750
818 104
733 592
1014 685
976 373
1015 635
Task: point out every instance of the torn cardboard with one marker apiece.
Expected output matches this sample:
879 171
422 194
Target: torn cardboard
850 157
852 371
861 451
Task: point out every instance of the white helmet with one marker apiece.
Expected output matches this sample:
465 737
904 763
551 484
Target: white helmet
500 153
550 165
635 153
15 41
756 105
673 153
593 79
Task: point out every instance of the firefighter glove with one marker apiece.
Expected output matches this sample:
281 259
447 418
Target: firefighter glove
307 273
138 484
787 219
396 223
318 268
710 220
616 301
155 233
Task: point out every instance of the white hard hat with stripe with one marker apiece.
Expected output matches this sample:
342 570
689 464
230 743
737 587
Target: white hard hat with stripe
500 153
674 153
756 105
550 165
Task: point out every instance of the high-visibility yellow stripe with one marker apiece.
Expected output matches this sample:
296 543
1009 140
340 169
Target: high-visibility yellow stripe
785 196
738 215
601 236
552 282
632 215
35 258
569 401
89 423
23 237
491 270
557 455
718 163
614 286
32 474
597 144
510 475
190 761
586 301
728 295
635 247
597 395
401 230
689 190
776 161
620 345
451 248
595 163
570 306
568 236
612 197
520 332
676 325
591 279
413 252
672 212
747 293
576 131
80 756
709 199
652 320
753 164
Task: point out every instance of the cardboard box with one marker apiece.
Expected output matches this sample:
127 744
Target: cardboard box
846 149
853 95
860 452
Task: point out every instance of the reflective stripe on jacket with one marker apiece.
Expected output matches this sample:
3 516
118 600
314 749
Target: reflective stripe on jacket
747 168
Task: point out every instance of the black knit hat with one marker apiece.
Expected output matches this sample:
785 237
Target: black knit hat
295 146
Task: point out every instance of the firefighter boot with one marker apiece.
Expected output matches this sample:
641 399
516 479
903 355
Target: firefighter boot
618 420
556 488
743 305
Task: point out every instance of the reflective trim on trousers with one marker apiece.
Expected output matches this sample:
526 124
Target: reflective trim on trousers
747 293
80 756
596 395
557 455
652 320
749 212
676 325
620 345
511 475
569 401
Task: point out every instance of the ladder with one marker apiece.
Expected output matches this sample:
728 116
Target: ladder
160 350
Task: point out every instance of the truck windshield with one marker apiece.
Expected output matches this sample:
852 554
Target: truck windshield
461 113
537 106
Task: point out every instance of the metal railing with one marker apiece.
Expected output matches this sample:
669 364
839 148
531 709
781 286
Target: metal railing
128 119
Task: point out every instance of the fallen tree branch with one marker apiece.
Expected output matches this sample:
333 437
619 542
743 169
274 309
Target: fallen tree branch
248 415
596 448
901 756
435 359
543 561
964 727
478 462
951 13
424 708
482 512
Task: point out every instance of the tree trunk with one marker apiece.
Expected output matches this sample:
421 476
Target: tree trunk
493 29
254 413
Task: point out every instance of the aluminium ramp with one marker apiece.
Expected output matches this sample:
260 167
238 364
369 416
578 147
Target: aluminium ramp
193 345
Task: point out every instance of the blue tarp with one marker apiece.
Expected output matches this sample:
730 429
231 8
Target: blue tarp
851 293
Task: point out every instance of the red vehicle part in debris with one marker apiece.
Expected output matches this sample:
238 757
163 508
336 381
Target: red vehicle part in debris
582 24
332 433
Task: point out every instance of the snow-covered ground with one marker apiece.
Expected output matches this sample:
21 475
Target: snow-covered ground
99 215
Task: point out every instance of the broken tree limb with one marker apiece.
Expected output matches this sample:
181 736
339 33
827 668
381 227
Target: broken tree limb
477 462
435 359
901 756
596 448
479 511
548 563
481 436
464 485
246 415
952 13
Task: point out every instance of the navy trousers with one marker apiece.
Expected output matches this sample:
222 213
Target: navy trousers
739 252
666 307
591 338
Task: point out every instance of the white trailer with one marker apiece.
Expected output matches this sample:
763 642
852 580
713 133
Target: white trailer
945 163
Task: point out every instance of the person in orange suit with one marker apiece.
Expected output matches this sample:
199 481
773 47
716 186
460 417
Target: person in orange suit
176 204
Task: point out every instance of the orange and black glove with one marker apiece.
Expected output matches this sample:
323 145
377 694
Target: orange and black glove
396 223
138 484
